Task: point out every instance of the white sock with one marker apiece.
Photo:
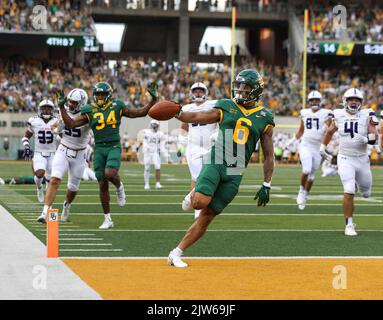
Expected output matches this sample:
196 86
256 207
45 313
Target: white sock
108 217
301 188
189 194
147 176
349 221
45 209
38 181
196 213
121 186
178 252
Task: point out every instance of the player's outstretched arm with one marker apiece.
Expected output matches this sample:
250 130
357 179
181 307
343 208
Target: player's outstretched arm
268 153
69 122
329 133
211 116
263 194
142 112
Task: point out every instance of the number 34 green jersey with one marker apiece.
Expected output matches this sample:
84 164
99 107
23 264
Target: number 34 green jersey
240 129
105 122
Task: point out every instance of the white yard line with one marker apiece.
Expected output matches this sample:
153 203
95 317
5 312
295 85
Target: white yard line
23 263
230 258
190 214
92 250
234 230
233 203
86 244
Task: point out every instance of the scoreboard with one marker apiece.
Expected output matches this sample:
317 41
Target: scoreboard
345 48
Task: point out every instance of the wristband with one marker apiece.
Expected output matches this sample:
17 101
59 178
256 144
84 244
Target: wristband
25 142
267 184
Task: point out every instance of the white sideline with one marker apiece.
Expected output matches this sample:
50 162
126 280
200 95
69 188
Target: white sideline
22 254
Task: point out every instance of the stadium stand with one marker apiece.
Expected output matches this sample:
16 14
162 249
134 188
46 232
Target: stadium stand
364 23
63 16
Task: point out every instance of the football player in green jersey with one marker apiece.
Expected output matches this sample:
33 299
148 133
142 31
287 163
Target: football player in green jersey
242 122
104 117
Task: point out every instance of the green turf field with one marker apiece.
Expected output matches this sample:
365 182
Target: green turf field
152 222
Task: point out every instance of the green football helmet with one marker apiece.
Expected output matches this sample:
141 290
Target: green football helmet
247 86
102 87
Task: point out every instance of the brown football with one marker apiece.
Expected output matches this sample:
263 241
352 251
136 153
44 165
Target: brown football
164 110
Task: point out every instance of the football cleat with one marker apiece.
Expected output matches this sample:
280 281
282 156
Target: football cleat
107 224
158 185
301 199
2 181
65 213
147 187
42 218
350 230
175 260
40 194
121 198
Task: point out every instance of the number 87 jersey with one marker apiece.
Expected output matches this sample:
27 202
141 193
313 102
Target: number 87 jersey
350 125
105 122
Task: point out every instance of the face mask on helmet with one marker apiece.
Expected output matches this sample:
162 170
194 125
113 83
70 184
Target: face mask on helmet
154 126
101 98
242 92
46 111
314 104
353 104
199 94
73 105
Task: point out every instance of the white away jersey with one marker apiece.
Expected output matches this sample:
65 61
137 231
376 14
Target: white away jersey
314 124
348 125
201 136
44 137
76 138
152 141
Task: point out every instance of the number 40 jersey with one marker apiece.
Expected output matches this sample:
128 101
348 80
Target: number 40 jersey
348 126
44 137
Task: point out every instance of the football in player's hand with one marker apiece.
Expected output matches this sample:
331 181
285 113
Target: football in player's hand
164 110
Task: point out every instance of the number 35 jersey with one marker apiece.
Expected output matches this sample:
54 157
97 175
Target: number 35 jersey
105 122
348 125
314 124
44 136
76 138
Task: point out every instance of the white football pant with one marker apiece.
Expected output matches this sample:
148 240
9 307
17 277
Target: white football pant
72 161
355 170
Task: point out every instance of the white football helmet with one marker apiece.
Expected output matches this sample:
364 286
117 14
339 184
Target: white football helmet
76 99
46 114
198 85
154 124
314 95
353 107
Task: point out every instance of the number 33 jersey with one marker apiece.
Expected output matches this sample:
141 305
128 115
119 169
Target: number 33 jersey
314 124
348 126
105 122
44 136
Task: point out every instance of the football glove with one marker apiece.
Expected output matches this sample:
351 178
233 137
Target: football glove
27 154
324 154
61 98
359 138
152 89
263 196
